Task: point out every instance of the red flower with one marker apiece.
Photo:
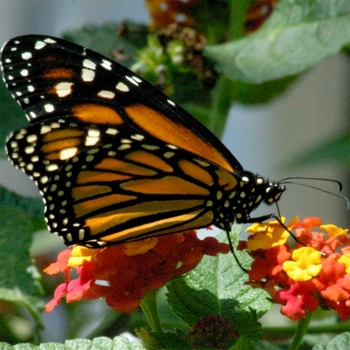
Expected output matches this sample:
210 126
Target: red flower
123 274
302 277
297 299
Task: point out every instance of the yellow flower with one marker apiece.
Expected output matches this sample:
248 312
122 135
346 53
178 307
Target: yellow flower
333 231
306 264
81 254
268 235
140 247
345 259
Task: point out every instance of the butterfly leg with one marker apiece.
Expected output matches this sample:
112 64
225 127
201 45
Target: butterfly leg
275 217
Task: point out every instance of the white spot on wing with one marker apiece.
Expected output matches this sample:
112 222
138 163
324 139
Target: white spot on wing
92 137
106 94
87 74
39 45
63 89
32 138
50 41
68 153
137 79
29 150
112 131
45 129
26 55
106 64
89 64
49 108
132 80
122 87
51 167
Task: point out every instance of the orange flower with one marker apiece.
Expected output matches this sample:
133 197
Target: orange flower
257 14
302 277
123 274
164 12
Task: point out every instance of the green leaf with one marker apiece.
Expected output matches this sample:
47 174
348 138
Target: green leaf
217 286
162 340
336 149
298 35
11 116
251 94
118 343
31 206
15 240
104 39
340 342
20 281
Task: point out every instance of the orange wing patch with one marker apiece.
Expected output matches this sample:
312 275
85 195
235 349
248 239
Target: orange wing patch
149 159
120 166
110 219
162 128
90 176
58 73
173 224
86 191
57 141
96 114
226 180
196 172
86 207
169 185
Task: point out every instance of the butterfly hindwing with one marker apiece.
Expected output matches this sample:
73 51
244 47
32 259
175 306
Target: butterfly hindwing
42 149
129 189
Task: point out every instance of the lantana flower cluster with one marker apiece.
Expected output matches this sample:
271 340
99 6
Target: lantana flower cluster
124 273
304 276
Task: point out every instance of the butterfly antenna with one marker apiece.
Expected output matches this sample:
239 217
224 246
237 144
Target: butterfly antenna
340 185
278 219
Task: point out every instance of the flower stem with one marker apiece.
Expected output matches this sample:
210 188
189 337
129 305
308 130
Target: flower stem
148 305
300 332
221 104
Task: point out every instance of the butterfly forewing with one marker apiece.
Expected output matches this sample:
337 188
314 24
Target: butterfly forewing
52 78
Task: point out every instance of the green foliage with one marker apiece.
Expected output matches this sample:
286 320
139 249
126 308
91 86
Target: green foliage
298 35
20 281
105 40
118 343
11 116
340 342
216 287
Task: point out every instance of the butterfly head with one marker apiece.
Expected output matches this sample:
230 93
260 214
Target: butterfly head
273 192
259 189
251 191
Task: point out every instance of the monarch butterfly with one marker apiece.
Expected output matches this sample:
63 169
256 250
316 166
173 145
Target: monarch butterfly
114 159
